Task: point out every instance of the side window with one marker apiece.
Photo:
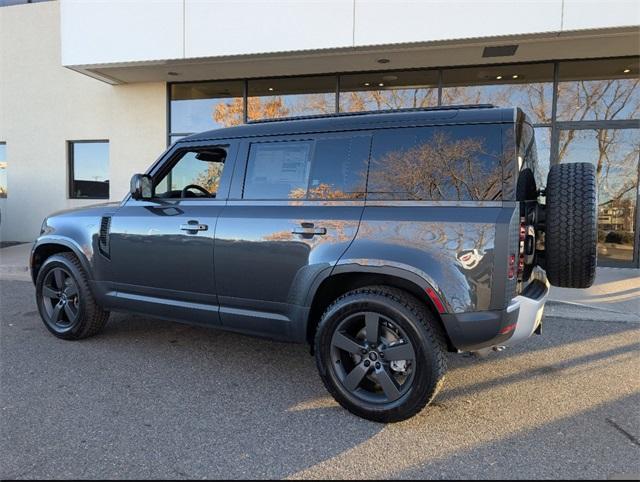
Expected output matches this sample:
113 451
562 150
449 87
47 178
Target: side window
448 163
88 169
278 170
339 168
196 173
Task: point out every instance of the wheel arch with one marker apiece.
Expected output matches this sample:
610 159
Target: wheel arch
345 278
47 247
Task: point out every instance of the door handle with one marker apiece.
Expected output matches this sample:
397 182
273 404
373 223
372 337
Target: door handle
309 230
192 227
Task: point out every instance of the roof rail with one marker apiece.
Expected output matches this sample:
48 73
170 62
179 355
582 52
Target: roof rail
391 111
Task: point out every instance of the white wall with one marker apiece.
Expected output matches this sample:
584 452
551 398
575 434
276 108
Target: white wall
120 31
42 105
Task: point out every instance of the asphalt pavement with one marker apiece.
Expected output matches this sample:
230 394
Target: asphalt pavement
153 399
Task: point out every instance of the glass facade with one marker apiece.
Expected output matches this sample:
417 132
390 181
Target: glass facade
201 106
615 153
585 109
527 86
388 90
3 169
290 97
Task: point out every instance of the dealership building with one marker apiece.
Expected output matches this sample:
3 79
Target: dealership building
92 92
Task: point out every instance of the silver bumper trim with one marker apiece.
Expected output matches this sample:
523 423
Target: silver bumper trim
529 316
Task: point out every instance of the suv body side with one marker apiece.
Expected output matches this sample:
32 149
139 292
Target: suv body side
268 263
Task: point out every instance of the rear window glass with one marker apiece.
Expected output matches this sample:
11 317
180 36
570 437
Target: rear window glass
327 168
339 168
448 163
278 170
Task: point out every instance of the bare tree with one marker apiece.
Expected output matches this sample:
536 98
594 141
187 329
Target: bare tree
440 169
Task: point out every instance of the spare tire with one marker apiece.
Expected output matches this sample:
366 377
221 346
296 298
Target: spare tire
571 225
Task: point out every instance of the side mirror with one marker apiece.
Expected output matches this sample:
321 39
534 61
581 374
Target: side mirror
141 186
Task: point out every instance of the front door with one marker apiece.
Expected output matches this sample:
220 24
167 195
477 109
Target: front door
294 208
162 249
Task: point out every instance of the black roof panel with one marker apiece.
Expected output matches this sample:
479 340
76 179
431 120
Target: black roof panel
361 120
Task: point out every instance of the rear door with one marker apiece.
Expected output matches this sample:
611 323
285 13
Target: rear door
294 207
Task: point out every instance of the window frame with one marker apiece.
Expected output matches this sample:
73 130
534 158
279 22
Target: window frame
168 161
71 166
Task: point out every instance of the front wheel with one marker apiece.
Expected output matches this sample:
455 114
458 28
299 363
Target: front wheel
66 304
380 353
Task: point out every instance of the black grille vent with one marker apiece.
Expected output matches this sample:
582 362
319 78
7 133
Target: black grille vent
103 242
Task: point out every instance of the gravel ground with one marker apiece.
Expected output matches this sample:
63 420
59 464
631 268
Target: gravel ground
153 399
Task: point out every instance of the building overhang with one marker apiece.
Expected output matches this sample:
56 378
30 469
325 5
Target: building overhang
578 44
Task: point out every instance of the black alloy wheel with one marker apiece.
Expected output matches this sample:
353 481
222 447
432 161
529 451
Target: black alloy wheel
60 300
372 357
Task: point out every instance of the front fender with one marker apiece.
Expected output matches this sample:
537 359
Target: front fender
84 252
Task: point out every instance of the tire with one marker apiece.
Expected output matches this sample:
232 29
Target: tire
66 304
405 328
571 225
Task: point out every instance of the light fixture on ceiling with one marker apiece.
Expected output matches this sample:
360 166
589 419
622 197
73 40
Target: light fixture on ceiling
367 84
498 77
514 76
383 61
381 84
270 89
626 71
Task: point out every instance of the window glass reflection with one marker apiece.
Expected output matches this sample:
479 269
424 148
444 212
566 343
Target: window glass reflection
599 90
529 87
543 147
615 154
278 170
339 168
201 106
458 163
388 90
90 169
291 97
3 169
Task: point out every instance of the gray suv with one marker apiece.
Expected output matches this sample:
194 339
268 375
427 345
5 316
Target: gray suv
383 240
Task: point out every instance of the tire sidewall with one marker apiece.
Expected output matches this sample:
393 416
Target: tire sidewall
423 377
59 261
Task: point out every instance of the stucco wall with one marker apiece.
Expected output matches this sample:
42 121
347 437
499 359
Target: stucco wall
131 30
42 105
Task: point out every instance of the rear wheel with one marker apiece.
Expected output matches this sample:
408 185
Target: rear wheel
380 353
67 306
571 225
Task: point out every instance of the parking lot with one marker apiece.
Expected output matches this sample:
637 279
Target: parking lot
154 399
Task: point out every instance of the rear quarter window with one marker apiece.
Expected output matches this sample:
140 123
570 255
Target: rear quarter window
440 163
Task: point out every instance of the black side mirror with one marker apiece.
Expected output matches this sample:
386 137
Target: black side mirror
141 186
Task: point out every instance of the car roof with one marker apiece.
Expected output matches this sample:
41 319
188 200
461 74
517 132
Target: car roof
361 120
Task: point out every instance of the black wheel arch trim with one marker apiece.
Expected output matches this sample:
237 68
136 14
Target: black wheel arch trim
355 267
68 243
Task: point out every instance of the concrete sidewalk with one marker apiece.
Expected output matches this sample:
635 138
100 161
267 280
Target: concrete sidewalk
14 261
614 296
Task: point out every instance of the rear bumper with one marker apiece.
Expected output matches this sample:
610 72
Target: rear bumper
486 329
530 308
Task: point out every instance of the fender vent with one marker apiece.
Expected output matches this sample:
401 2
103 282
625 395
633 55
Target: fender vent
103 241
